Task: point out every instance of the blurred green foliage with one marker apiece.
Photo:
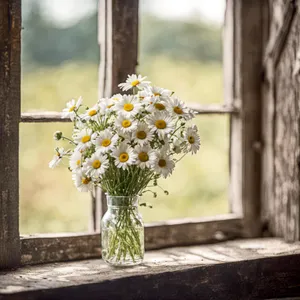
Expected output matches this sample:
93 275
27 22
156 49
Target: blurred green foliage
61 63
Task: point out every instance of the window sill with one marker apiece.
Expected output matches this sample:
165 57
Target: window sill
240 269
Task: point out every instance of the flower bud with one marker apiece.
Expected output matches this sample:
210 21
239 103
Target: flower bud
57 135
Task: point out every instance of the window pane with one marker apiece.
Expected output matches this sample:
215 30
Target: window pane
48 200
60 55
199 185
181 47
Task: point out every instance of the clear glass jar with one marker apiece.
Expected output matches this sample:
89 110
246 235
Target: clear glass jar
122 232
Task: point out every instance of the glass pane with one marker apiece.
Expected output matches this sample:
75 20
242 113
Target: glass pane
181 47
199 185
48 200
60 54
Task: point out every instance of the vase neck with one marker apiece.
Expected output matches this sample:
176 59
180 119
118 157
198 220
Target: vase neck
122 201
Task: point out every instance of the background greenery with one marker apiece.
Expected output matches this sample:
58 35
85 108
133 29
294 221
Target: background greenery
59 63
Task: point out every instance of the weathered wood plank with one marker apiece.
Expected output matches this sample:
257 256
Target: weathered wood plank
10 28
62 247
207 109
43 117
251 269
285 221
246 126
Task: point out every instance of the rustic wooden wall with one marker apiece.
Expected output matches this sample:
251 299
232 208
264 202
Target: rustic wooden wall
281 121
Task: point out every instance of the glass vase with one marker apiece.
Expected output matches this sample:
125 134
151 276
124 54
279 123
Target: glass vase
122 232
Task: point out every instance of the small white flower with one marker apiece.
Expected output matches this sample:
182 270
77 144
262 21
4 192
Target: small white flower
124 156
75 160
178 108
128 106
142 135
163 165
145 156
72 107
192 139
105 141
160 93
162 124
96 165
83 139
106 105
60 152
144 96
125 125
157 105
82 181
116 98
134 81
91 113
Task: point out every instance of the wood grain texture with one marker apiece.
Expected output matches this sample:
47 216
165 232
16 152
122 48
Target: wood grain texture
10 27
63 247
286 216
43 117
245 160
242 269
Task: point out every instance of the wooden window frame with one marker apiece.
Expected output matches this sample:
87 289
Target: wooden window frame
118 40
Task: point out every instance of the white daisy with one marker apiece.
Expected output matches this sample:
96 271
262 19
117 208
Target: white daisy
192 138
91 113
72 107
157 105
124 156
106 105
145 156
134 81
75 160
83 138
125 125
142 135
105 141
163 165
128 106
116 98
144 96
96 164
82 181
60 152
160 93
178 108
162 124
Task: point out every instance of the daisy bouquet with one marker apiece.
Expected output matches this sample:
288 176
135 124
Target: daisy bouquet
125 143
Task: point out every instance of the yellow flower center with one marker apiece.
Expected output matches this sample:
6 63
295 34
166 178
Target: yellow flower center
86 139
162 163
143 156
78 162
106 142
96 164
159 106
191 139
160 124
157 94
128 107
126 123
135 83
86 180
123 157
72 108
141 135
92 112
178 110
